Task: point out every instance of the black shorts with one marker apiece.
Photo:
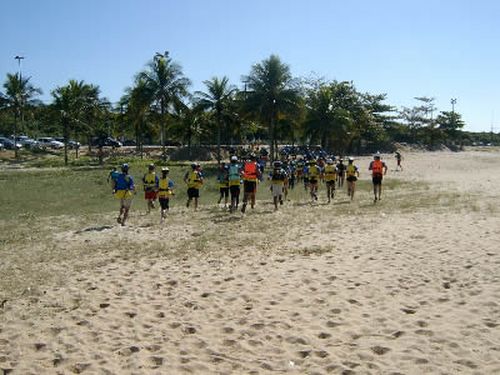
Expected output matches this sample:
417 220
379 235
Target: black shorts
330 184
164 203
377 180
250 186
224 191
235 190
313 181
193 193
352 178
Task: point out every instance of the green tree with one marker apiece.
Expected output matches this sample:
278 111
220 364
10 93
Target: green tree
450 124
331 114
166 81
138 100
217 99
272 95
19 95
79 109
189 123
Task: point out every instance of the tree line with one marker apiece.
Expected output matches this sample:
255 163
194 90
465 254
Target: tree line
270 105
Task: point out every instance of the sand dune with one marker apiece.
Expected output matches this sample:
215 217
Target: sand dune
341 289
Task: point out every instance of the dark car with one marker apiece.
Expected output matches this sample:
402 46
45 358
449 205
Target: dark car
71 144
106 141
9 143
129 142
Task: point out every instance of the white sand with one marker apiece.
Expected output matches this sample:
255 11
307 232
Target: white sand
342 289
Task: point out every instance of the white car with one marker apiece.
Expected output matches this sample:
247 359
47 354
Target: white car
45 142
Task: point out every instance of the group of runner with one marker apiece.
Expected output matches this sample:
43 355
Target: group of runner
232 176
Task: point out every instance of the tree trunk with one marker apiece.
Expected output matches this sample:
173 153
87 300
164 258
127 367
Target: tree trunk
162 135
65 135
271 136
101 156
218 138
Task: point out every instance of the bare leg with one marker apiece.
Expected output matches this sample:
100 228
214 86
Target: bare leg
125 215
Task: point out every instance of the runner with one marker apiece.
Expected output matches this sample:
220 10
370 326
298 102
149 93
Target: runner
352 174
330 178
251 174
379 169
300 169
305 175
341 172
398 160
112 176
150 182
222 179
286 182
292 173
124 190
194 181
313 173
234 178
165 191
278 177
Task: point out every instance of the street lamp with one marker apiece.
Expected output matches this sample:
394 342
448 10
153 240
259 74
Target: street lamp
21 103
453 102
19 58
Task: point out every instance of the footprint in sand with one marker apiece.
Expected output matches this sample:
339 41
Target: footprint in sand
380 350
156 361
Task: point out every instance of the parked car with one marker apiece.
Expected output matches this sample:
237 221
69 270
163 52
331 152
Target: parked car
106 141
26 141
1 146
48 142
71 144
9 144
129 142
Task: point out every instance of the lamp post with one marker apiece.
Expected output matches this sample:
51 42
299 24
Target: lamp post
21 104
453 102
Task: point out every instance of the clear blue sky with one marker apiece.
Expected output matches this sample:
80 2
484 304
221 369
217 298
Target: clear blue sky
441 49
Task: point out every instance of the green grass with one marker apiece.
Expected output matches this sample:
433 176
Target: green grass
41 192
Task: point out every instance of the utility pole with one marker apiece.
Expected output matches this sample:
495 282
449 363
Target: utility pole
21 104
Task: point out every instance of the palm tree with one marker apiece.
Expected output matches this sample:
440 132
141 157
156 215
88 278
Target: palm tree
138 100
165 80
78 105
19 92
218 99
188 123
331 111
272 94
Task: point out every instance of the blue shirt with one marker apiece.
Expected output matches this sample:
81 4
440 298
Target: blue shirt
124 182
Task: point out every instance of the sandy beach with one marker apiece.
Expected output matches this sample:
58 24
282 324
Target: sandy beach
408 286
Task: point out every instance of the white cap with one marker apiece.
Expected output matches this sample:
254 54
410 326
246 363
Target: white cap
234 158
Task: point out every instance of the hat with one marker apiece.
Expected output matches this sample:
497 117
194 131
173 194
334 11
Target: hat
377 155
125 167
193 165
234 158
277 164
165 169
151 166
351 158
329 161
